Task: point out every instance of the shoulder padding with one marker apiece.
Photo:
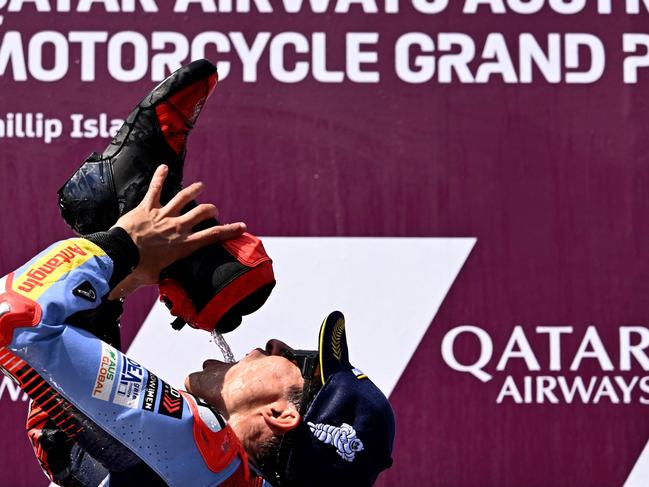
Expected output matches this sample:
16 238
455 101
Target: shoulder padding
16 311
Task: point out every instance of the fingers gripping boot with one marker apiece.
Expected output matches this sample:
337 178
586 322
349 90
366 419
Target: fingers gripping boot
204 294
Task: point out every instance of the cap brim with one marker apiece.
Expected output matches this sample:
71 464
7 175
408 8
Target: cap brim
332 346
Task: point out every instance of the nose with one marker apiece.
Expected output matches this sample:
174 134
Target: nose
275 347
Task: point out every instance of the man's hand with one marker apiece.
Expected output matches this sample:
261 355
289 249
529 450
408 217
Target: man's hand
163 235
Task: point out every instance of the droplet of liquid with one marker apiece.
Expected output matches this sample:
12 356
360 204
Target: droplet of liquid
228 356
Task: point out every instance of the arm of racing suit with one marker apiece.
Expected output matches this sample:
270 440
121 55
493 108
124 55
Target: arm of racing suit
62 460
106 402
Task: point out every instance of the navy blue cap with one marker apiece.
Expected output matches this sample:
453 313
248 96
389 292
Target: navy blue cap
347 433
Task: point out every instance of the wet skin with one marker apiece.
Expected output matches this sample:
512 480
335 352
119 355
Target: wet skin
261 377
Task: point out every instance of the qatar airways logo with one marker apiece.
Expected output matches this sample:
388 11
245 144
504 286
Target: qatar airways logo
557 378
10 390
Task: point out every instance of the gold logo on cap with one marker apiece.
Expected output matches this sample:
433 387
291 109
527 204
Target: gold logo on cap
336 338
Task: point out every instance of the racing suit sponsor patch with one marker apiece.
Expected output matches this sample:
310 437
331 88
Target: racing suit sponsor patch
106 373
171 402
130 384
52 265
85 291
150 393
343 438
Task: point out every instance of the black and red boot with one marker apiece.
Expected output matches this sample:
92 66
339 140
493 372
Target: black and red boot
212 288
109 184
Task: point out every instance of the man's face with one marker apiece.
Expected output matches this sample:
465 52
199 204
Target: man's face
261 377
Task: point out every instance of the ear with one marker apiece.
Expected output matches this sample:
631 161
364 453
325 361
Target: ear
281 416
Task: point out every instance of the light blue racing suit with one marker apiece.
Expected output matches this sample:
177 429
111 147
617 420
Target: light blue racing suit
114 408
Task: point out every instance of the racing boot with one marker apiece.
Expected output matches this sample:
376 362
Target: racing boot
217 285
212 288
109 184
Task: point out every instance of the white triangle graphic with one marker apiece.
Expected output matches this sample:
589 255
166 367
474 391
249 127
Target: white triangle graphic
640 472
388 288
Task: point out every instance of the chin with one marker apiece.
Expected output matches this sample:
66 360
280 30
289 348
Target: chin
187 384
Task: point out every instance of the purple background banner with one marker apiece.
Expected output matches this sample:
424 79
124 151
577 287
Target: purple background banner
550 176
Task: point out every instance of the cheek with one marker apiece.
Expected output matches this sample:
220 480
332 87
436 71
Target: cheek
269 380
244 387
284 376
239 385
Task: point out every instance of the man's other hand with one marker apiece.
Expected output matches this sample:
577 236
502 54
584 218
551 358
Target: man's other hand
163 235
